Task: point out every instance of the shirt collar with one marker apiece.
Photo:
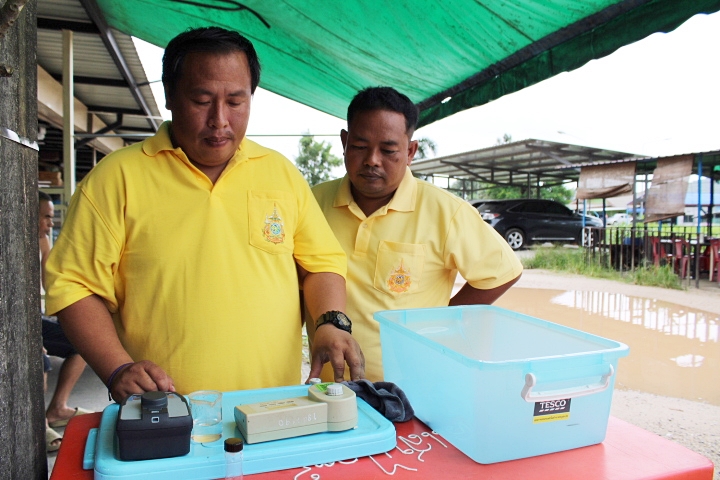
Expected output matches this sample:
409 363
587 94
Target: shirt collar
161 141
403 200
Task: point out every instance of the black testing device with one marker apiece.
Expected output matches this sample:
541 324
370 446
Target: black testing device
153 425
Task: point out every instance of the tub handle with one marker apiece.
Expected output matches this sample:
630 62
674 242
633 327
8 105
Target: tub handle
531 381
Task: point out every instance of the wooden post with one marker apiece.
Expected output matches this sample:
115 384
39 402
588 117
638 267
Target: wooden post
22 422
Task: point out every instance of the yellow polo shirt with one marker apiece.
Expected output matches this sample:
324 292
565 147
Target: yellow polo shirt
408 254
200 278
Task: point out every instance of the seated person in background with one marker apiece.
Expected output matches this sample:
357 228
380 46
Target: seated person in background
405 239
177 266
55 342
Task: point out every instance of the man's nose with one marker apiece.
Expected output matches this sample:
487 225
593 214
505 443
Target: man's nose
373 157
218 117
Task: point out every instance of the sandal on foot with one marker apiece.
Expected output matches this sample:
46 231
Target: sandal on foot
63 422
52 440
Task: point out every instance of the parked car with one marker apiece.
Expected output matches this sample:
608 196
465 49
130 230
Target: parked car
619 218
524 221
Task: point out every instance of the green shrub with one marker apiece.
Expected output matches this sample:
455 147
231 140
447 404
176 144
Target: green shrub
586 262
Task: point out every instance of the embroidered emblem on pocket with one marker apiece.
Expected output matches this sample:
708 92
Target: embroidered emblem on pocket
273 230
399 281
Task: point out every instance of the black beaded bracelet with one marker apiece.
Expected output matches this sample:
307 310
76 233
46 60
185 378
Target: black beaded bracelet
112 377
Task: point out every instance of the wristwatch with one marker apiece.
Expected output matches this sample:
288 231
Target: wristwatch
339 319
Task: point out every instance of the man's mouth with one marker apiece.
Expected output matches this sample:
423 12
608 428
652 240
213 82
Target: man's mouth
216 141
371 176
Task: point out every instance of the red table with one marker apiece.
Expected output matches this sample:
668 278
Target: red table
628 452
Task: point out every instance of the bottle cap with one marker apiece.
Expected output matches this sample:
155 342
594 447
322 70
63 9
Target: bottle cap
315 381
233 445
334 389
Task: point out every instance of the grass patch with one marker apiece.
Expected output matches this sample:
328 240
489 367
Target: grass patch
584 262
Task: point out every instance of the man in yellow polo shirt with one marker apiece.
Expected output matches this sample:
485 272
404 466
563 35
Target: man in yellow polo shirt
406 240
179 264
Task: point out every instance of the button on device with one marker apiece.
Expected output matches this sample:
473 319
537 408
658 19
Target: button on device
334 389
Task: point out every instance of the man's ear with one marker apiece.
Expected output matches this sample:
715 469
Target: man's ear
168 103
412 150
343 139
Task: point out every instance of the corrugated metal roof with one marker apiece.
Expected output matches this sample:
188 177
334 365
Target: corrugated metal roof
541 162
62 9
519 163
108 75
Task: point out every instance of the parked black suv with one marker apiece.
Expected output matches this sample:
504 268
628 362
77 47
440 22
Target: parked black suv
524 221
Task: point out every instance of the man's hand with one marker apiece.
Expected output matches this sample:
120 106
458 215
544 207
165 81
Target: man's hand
337 347
140 377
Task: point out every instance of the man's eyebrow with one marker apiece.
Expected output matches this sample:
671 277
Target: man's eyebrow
360 138
237 93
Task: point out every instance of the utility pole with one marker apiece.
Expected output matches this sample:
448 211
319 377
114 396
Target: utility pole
22 423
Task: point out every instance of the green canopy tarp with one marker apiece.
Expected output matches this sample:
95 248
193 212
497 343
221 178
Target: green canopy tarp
446 55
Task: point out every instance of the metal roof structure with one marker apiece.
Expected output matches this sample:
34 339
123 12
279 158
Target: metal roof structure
519 164
108 79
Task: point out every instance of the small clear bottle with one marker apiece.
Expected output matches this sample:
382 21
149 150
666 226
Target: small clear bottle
234 458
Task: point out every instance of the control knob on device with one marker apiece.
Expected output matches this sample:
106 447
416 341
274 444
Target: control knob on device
334 389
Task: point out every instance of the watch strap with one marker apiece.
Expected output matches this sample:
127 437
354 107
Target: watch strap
337 318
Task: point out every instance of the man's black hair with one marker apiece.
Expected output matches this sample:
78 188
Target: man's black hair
44 197
211 40
384 98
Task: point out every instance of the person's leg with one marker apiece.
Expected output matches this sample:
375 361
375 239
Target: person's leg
46 368
52 438
57 344
69 373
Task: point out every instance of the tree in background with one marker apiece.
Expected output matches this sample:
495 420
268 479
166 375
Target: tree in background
506 138
425 146
315 161
555 192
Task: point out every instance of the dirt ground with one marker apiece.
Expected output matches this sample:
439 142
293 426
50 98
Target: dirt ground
694 425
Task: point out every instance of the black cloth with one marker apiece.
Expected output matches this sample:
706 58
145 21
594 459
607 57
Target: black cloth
385 397
54 339
46 363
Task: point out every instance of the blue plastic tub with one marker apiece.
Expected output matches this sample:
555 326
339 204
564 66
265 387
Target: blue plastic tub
500 385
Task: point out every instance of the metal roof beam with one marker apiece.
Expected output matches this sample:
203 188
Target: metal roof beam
55 24
104 82
469 167
105 129
128 128
100 109
108 39
559 159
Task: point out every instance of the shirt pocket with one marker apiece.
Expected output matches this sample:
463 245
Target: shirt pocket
272 219
399 268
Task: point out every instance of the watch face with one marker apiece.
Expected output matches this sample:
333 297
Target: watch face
339 319
343 320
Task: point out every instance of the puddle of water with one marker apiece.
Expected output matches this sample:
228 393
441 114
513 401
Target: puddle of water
674 351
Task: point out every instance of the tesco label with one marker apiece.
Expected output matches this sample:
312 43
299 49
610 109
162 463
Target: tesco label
552 407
